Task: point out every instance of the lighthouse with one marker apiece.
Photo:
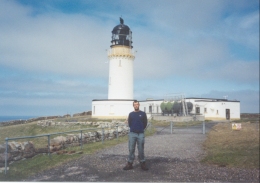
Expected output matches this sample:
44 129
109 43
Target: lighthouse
121 77
121 61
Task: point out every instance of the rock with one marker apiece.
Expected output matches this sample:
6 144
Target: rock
58 140
2 157
2 148
17 158
2 165
28 147
14 146
120 129
55 148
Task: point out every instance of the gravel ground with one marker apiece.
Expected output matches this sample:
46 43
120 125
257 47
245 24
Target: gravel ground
169 157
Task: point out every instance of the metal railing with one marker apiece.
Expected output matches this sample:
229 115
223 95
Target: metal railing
203 126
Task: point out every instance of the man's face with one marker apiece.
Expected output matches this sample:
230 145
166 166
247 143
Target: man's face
136 106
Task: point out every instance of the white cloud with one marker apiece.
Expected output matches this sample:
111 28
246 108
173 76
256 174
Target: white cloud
242 29
58 43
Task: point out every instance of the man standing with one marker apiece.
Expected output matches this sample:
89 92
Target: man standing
137 121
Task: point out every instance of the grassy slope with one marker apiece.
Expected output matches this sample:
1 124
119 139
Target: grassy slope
226 147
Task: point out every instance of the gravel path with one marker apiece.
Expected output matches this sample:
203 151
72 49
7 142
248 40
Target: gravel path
170 158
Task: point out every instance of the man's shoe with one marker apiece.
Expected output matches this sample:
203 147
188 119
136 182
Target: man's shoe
128 166
143 166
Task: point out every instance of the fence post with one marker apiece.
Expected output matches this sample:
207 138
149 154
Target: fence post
102 135
171 126
117 131
81 140
49 148
203 127
6 154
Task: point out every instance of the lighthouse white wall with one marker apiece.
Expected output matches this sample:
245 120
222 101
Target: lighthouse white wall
120 84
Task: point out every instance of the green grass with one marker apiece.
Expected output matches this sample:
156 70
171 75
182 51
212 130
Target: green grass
20 170
225 147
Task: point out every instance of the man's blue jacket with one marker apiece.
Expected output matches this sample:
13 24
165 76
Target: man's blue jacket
137 121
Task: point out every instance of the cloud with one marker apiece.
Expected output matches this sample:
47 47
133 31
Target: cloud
57 43
54 55
19 96
242 29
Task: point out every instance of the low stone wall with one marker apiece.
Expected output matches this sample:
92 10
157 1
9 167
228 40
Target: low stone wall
23 150
99 124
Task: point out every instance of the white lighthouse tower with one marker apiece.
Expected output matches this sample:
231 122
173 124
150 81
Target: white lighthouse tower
120 79
121 58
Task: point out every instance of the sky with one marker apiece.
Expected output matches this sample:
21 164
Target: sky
53 53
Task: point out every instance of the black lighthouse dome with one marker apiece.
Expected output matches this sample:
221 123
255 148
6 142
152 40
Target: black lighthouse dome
121 35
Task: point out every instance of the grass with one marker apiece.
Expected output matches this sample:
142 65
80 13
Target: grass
226 147
20 170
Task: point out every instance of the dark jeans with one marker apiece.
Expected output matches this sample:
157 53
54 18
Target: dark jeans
133 139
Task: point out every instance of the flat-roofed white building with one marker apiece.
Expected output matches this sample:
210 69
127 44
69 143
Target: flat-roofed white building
216 109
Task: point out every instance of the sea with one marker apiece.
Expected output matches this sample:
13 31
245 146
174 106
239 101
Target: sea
11 118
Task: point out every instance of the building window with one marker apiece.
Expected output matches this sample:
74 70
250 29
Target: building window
205 110
217 111
144 109
197 110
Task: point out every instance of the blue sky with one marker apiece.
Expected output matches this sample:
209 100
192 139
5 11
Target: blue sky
53 57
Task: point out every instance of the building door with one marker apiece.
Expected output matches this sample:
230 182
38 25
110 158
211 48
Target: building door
150 109
228 114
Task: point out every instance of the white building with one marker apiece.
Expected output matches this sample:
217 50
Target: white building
210 108
120 88
215 109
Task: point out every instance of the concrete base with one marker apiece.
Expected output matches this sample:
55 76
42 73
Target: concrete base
111 109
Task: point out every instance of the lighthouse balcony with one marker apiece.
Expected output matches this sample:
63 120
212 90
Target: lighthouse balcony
124 51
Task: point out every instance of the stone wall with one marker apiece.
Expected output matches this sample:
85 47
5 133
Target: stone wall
23 150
